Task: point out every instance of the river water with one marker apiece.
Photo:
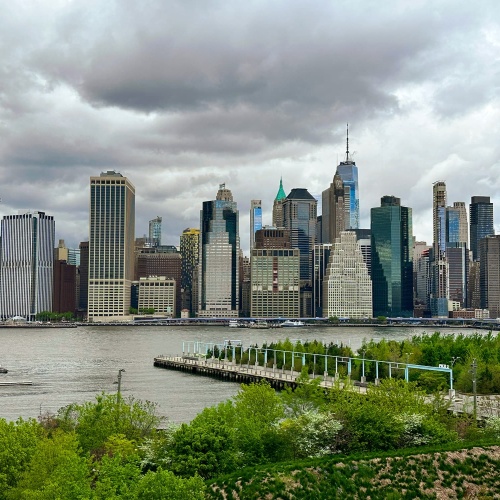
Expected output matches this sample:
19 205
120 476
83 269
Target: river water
69 365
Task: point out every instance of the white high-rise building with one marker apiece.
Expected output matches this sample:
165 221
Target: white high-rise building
111 246
347 287
218 279
26 277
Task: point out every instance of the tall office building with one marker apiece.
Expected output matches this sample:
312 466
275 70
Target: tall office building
453 226
275 276
489 274
423 284
299 217
457 256
319 229
334 215
83 278
155 231
255 219
392 258
26 271
245 285
347 288
278 206
463 222
320 257
474 285
348 172
218 278
111 246
364 239
190 253
64 291
481 222
439 264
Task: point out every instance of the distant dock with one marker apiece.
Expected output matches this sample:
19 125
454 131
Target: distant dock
14 382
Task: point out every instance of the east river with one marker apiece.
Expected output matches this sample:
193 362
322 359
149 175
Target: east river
69 365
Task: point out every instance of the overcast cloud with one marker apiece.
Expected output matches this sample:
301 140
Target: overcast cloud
180 96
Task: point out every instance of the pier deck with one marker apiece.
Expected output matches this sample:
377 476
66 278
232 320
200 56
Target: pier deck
279 379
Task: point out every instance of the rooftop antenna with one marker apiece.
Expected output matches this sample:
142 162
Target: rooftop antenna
347 147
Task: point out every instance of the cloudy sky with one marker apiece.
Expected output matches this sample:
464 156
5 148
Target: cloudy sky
180 96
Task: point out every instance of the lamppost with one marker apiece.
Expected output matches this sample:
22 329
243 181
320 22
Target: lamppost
363 378
474 387
454 359
118 392
407 371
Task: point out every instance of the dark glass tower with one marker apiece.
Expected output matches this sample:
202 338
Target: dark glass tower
299 217
481 222
392 259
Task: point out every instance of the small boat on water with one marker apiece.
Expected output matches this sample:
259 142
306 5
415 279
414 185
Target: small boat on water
234 323
259 325
3 370
289 323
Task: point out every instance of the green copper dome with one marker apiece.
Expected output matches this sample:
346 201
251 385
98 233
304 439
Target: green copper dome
281 192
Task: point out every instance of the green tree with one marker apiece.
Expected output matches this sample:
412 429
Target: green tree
116 477
18 440
95 423
258 410
206 446
56 470
164 484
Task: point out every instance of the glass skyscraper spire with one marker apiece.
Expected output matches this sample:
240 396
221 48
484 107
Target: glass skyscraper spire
348 172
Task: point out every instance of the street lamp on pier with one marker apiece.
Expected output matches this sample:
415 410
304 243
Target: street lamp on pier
118 392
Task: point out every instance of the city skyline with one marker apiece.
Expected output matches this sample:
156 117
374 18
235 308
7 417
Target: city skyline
226 106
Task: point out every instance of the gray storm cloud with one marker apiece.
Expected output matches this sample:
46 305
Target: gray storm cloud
183 95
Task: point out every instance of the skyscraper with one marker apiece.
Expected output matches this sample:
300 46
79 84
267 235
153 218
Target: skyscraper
321 256
155 231
463 224
453 226
218 278
83 287
190 253
334 215
392 258
255 219
481 222
457 254
26 272
278 206
439 264
111 245
64 292
348 172
347 288
422 281
457 257
489 274
299 217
